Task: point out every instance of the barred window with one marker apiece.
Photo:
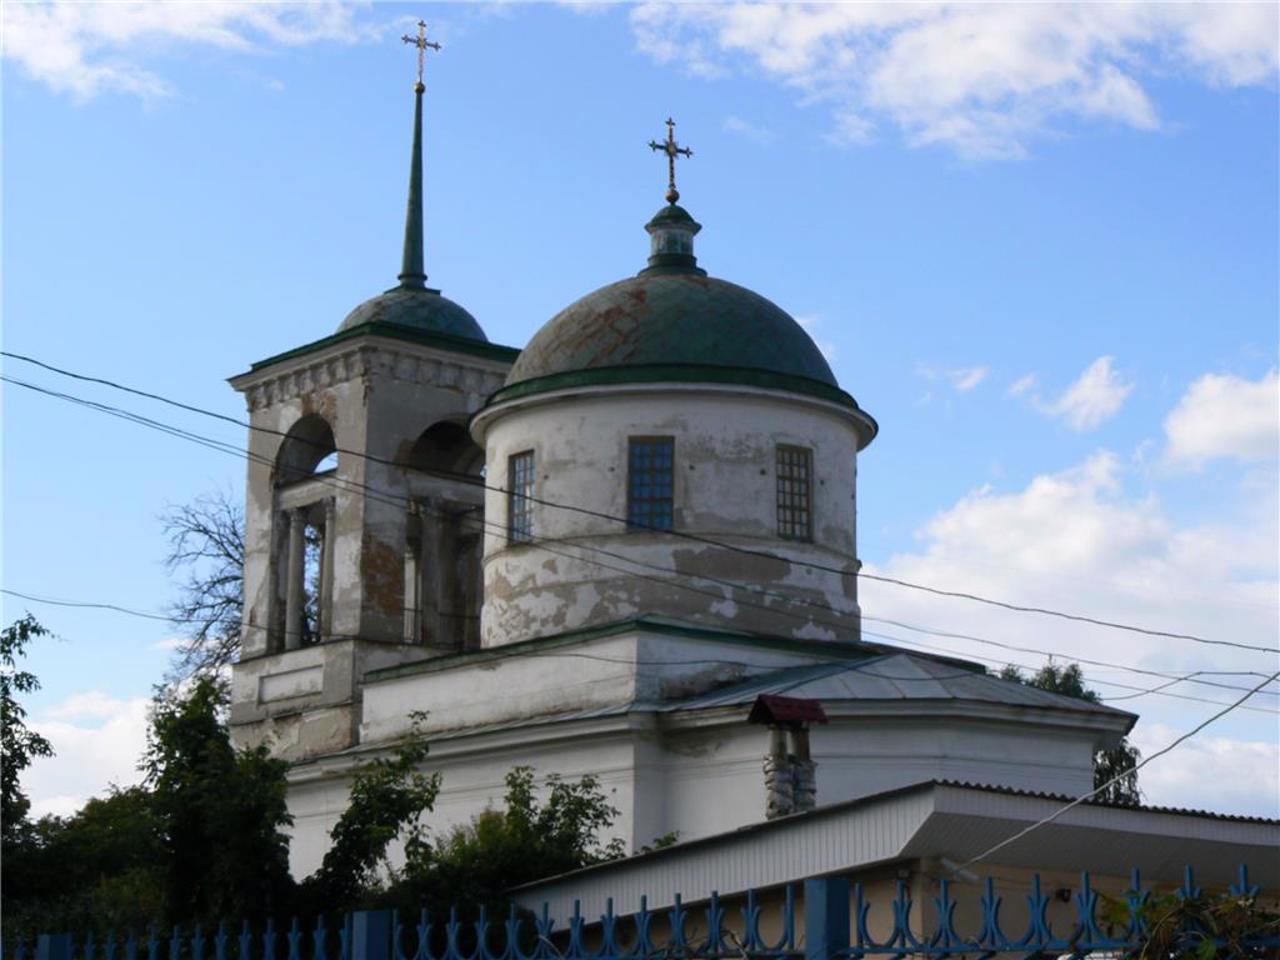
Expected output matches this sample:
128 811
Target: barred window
795 515
650 483
519 502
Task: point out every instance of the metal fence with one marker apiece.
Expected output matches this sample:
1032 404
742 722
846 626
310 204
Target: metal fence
833 924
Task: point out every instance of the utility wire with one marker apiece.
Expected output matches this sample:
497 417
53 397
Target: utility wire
705 661
880 578
247 627
1140 691
400 500
1118 777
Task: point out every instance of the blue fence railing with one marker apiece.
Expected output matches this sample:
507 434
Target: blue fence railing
836 922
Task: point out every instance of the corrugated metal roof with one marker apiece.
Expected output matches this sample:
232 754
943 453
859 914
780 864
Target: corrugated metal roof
901 676
1147 808
931 818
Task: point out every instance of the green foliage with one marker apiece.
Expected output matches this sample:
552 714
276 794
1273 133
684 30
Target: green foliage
223 812
668 839
97 868
18 745
388 798
1107 764
1207 927
474 865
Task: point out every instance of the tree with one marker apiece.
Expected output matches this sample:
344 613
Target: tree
388 797
474 865
223 811
1119 760
206 543
18 745
100 868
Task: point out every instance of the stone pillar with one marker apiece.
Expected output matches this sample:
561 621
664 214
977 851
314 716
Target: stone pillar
430 565
804 770
779 787
296 595
326 570
414 533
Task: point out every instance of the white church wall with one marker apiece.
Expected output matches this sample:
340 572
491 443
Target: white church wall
699 773
473 772
725 488
594 673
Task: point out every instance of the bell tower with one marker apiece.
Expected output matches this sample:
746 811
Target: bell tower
364 506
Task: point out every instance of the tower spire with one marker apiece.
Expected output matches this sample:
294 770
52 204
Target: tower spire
412 273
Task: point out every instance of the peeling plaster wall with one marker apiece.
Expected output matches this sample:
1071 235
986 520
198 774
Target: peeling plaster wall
607 672
307 702
378 396
725 489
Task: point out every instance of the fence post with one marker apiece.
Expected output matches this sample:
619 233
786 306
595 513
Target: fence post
826 918
53 946
371 932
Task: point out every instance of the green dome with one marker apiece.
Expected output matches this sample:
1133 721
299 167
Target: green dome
674 324
678 318
418 308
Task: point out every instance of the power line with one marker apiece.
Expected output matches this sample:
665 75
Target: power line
813 565
400 500
1118 777
1078 659
705 661
1142 691
1139 690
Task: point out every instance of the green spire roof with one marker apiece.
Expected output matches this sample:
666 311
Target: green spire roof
411 303
411 269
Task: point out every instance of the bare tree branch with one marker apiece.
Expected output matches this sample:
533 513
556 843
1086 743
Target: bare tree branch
206 549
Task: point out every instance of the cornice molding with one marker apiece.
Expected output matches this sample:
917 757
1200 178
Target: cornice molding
385 359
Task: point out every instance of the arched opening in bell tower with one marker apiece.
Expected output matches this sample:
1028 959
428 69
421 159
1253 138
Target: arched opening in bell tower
444 541
303 525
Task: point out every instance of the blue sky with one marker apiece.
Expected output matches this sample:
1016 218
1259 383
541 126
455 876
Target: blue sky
1038 243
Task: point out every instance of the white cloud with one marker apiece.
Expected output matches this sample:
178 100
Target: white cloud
91 48
1022 385
983 79
1080 540
1245 773
1096 396
747 129
967 378
1222 415
97 740
962 379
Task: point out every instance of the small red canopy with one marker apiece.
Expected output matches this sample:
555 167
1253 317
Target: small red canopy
770 708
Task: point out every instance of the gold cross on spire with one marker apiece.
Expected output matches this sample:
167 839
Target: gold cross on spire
421 42
672 150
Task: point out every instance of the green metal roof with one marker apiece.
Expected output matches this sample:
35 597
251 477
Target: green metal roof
419 308
672 319
395 331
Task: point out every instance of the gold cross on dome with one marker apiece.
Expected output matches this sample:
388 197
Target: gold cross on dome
672 150
422 43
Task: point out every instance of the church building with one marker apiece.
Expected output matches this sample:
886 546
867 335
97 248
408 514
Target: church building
628 549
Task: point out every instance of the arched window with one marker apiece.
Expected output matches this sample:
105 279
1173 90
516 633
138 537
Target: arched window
446 447
308 446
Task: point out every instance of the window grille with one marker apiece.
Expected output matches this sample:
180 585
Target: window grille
795 514
650 483
519 497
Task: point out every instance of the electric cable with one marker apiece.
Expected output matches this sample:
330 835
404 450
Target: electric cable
247 627
1118 777
399 500
938 591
